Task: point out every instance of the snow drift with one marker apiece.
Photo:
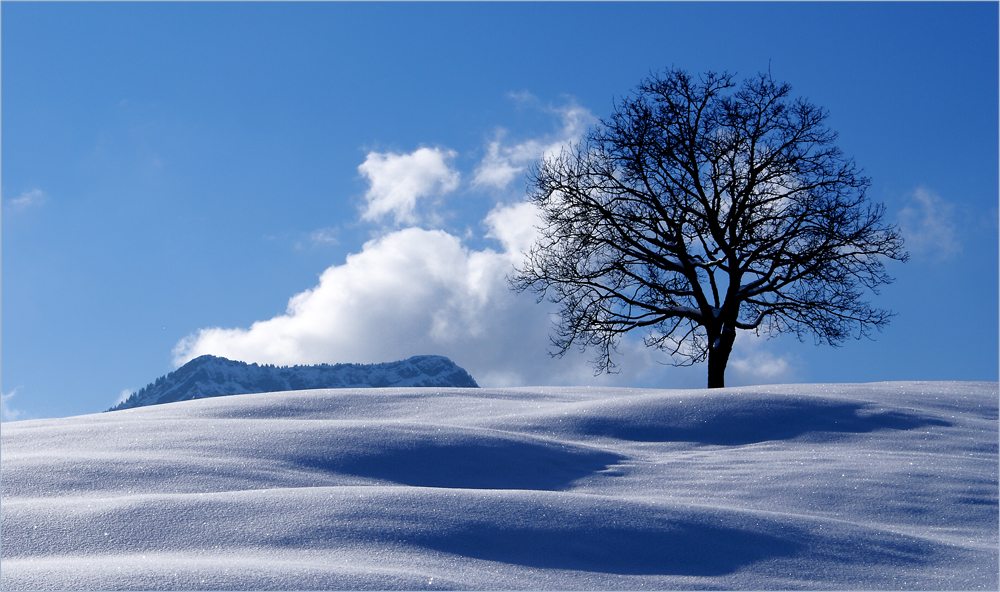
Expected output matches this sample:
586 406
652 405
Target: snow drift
877 486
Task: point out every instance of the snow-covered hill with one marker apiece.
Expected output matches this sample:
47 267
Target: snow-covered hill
212 376
875 486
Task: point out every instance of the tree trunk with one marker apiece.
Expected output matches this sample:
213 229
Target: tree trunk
719 348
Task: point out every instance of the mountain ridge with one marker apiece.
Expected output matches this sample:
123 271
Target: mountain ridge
212 376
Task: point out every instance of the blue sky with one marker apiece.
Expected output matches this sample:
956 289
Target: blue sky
302 183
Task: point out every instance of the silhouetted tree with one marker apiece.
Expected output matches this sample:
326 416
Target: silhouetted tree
702 207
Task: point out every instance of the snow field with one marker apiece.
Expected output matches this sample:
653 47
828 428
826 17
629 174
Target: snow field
877 486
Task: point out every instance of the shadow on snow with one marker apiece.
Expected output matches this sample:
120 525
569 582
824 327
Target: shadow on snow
468 461
730 421
685 549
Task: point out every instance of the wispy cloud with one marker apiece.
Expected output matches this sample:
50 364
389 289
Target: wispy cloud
28 199
6 412
320 238
397 181
505 161
753 362
928 225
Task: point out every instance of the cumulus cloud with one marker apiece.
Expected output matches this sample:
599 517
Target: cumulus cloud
28 199
6 412
928 225
515 226
409 292
504 161
397 181
416 291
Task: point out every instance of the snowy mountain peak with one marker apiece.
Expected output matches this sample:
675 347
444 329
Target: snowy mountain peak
212 376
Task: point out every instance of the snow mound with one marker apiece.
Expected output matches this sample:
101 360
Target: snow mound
211 376
877 486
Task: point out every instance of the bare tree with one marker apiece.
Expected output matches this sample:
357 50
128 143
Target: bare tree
702 207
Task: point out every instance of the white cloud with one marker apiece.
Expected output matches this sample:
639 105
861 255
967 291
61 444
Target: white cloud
27 199
413 291
497 168
397 181
6 412
503 163
515 226
417 291
928 225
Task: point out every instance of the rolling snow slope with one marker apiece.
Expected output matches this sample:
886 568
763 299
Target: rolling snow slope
876 486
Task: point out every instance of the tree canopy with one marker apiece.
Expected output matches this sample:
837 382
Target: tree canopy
702 207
